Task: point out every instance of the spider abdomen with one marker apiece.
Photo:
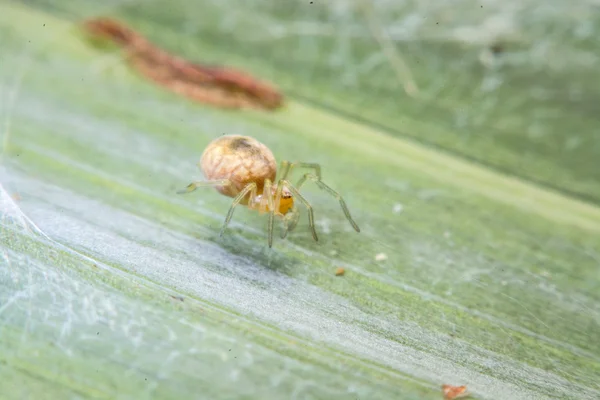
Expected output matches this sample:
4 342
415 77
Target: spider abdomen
241 160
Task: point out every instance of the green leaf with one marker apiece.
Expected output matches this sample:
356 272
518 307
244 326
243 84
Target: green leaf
113 286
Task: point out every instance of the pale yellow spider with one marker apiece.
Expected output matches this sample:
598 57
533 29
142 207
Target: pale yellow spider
245 169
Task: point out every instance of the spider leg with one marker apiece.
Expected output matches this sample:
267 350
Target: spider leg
314 166
249 188
332 192
196 184
268 192
274 199
290 221
286 168
296 193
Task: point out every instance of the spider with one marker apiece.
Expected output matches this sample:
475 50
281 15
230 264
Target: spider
243 168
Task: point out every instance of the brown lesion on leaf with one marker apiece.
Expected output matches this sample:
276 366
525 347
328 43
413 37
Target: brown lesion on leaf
220 86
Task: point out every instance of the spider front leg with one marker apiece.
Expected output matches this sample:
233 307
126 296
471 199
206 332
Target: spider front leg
197 184
268 192
332 192
286 168
296 194
249 188
290 221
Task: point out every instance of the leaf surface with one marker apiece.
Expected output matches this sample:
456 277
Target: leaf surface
113 286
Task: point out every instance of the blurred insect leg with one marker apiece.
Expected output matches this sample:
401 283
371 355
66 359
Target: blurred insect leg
268 192
196 184
249 188
296 193
333 193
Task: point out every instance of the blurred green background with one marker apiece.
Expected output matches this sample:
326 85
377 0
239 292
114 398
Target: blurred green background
481 189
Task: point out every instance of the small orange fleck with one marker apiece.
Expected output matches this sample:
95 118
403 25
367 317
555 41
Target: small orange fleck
454 392
340 271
